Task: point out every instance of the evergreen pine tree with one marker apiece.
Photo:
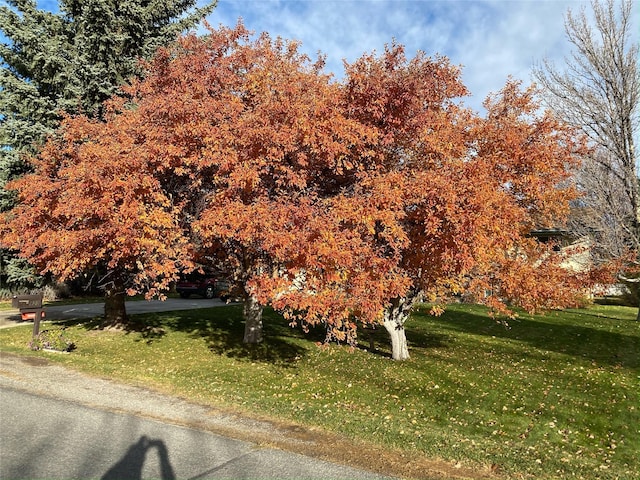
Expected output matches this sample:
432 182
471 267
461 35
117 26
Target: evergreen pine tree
70 61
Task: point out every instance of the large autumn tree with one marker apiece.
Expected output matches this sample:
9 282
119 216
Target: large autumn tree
226 140
337 202
94 203
445 200
255 139
409 197
70 60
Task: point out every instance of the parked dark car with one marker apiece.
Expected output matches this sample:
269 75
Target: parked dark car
199 284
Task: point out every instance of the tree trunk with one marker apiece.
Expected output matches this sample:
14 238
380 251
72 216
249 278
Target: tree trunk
395 317
399 348
252 314
633 286
115 312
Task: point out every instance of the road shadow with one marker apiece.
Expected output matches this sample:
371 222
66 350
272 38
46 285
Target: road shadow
131 465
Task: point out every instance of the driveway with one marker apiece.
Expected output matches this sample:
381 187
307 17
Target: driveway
90 310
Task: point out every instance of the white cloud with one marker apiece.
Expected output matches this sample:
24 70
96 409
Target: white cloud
490 39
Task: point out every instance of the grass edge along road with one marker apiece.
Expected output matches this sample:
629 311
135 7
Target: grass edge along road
551 396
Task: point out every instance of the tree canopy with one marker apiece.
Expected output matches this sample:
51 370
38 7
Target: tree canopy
337 202
93 204
71 61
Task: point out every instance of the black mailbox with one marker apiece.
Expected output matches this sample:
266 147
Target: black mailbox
27 302
30 309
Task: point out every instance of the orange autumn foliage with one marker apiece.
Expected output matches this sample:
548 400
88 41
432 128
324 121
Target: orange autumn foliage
471 188
93 203
333 201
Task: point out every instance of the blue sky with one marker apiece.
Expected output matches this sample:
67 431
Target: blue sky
489 39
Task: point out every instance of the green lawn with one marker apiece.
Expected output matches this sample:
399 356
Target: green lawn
555 396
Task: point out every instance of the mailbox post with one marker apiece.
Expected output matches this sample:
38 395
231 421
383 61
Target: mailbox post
30 307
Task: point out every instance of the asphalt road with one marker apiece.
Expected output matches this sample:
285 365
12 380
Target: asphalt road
59 424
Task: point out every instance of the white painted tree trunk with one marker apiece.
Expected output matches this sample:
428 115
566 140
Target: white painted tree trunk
395 317
252 314
399 348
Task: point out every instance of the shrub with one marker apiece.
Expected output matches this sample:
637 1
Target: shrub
54 339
